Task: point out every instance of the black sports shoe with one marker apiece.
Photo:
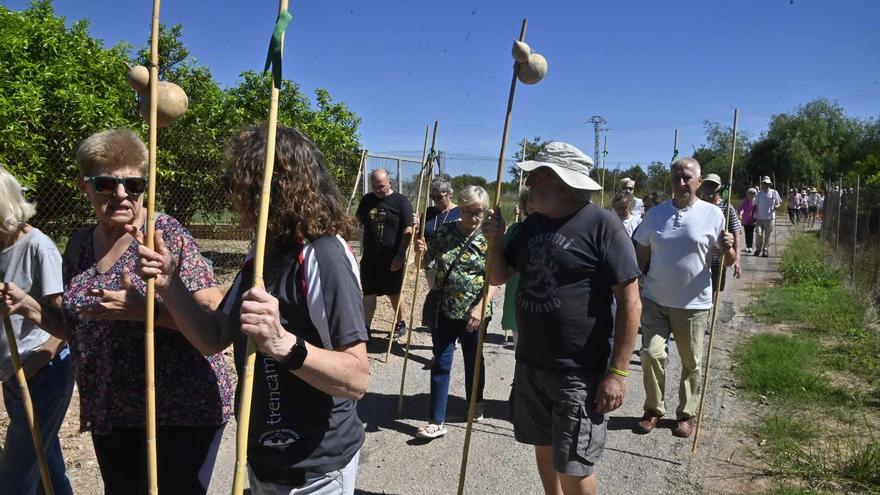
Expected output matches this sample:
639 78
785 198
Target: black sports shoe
399 329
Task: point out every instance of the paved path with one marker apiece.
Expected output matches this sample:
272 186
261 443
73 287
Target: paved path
394 462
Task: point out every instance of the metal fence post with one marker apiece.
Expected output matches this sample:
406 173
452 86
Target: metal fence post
852 267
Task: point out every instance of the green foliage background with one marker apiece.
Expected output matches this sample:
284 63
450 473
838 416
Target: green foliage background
58 85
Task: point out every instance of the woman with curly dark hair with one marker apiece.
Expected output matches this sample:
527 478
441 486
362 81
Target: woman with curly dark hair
308 324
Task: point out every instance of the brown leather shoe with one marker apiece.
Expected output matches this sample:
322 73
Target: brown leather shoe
648 422
683 428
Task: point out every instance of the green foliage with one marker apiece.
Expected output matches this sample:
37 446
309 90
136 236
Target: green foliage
58 85
807 264
714 155
531 149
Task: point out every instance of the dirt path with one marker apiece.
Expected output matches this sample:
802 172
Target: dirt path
393 462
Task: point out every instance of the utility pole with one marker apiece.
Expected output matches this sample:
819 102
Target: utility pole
597 122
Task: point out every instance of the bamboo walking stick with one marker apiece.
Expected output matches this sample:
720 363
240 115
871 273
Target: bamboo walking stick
150 297
604 156
427 162
517 66
773 222
28 408
357 179
276 50
408 255
716 296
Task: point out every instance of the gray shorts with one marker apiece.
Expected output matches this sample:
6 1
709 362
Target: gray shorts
552 407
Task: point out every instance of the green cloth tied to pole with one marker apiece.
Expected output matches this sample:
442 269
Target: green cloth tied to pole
273 58
674 156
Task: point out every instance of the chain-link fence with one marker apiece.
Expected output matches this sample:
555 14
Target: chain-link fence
851 228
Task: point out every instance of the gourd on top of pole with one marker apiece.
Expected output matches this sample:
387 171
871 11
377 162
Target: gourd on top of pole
273 62
530 68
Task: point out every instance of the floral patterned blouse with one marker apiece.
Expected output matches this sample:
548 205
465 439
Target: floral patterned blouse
463 288
191 390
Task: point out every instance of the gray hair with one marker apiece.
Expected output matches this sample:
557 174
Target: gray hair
624 197
474 196
118 147
684 162
14 209
442 184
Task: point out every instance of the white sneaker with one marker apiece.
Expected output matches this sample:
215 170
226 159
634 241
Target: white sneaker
480 410
431 430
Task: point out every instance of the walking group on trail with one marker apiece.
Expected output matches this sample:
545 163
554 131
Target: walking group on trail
588 279
581 281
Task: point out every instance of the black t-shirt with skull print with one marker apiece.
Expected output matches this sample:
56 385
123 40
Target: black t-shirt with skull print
567 267
384 220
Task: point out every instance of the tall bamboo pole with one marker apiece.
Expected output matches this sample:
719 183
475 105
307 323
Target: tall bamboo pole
716 294
357 179
244 412
150 319
674 156
427 162
485 303
409 251
28 408
519 190
604 155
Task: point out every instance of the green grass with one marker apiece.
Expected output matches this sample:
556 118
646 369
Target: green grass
819 308
786 367
818 436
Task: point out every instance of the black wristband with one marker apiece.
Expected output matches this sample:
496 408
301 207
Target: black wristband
296 356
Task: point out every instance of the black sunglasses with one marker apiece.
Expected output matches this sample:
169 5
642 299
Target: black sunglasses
107 184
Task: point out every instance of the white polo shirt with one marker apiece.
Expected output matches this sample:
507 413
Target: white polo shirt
682 241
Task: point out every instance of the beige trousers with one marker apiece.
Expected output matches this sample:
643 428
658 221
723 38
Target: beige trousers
688 327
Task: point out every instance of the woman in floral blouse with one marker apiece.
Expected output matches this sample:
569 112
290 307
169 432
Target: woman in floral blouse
459 250
102 318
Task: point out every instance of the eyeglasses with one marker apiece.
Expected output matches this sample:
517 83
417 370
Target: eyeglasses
629 189
473 213
107 184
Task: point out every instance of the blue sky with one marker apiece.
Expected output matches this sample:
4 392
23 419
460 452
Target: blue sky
646 67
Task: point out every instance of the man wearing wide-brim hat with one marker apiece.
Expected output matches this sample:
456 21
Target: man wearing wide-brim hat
572 256
765 215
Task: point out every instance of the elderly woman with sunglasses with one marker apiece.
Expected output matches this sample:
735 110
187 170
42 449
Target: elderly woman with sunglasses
459 250
102 317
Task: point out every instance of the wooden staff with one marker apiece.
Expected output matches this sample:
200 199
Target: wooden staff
150 297
674 156
717 294
357 179
28 408
519 190
427 162
409 250
604 155
485 303
244 412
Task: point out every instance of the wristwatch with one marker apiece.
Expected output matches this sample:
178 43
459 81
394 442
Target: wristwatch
296 356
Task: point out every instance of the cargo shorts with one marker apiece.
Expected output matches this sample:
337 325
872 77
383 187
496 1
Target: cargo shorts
556 408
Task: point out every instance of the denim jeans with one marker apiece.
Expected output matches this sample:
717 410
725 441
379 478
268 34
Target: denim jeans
443 338
50 391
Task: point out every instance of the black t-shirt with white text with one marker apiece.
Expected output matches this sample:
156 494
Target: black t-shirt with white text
384 220
295 426
567 267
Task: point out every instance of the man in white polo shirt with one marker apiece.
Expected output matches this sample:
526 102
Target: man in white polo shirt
765 215
674 246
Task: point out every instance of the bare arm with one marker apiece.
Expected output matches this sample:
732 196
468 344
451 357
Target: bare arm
612 388
341 372
192 313
499 272
44 313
